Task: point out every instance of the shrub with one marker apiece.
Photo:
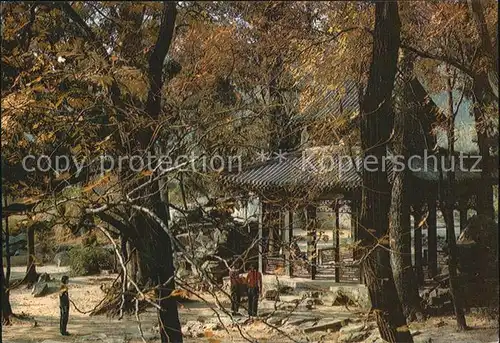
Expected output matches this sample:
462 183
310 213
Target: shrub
89 260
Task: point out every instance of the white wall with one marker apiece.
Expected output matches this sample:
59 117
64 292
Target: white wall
247 212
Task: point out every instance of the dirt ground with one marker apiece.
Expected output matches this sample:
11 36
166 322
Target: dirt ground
86 293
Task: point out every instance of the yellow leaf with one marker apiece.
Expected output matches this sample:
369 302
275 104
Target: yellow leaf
384 241
59 102
95 184
38 88
209 333
76 149
46 137
38 79
402 328
151 295
279 271
146 172
179 293
422 222
63 176
32 200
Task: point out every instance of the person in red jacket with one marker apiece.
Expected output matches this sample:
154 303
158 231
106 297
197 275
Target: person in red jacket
254 284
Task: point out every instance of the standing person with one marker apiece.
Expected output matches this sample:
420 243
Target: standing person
234 278
254 284
64 306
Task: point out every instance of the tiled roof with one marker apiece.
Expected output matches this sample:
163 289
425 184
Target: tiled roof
327 168
309 168
330 103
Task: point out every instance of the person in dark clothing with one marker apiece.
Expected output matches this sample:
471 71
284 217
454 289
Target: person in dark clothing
234 278
254 284
64 306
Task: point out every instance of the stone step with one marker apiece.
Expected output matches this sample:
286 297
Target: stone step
301 320
326 325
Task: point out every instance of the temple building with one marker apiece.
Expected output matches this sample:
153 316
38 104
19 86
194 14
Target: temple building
307 205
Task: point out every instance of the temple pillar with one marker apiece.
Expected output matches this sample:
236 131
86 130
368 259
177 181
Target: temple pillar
311 239
463 216
355 230
288 235
337 241
261 243
355 220
273 223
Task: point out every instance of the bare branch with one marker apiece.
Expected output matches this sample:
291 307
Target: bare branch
467 70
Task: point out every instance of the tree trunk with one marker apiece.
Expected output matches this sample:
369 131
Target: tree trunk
125 256
123 247
449 217
138 268
452 267
132 263
156 252
486 46
143 255
165 272
399 223
143 275
432 237
376 127
485 88
6 307
482 99
161 253
31 274
421 133
168 317
151 241
154 262
400 227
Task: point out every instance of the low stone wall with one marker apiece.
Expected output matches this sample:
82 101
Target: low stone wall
328 291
